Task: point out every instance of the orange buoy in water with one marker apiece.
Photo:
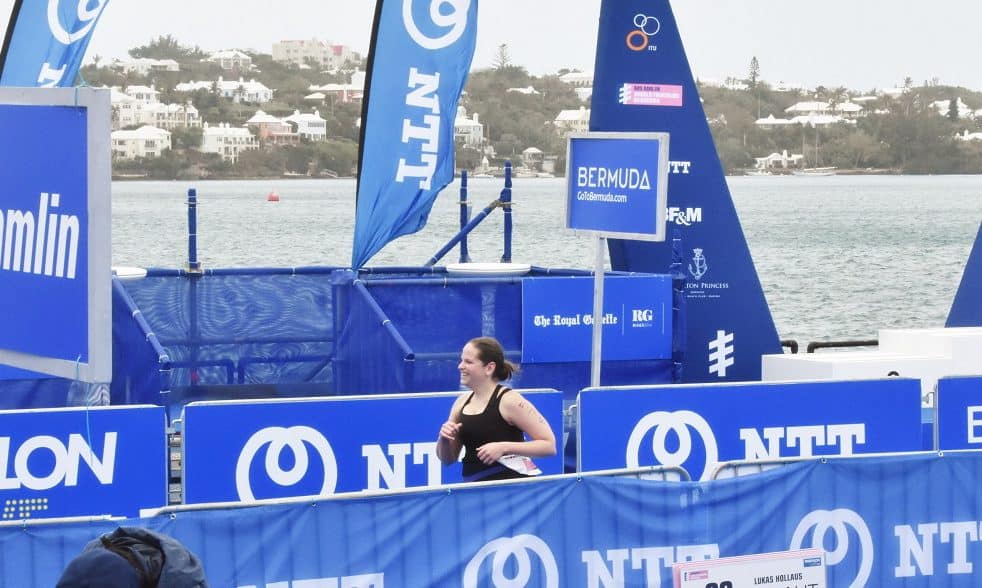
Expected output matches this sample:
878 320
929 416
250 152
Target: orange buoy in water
273 197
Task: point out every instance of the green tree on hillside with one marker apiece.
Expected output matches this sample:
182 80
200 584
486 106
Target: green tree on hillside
167 47
953 109
754 73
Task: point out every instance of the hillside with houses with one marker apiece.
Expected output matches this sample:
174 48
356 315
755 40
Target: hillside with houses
180 112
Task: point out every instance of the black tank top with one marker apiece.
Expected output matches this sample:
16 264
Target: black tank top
485 427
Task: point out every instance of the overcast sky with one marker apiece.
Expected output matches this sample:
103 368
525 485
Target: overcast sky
860 44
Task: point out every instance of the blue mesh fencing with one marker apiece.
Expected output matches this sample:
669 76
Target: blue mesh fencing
324 331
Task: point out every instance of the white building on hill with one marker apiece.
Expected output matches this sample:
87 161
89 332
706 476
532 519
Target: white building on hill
325 54
572 121
170 116
145 141
227 141
469 130
144 66
239 91
231 60
579 79
824 108
309 125
272 130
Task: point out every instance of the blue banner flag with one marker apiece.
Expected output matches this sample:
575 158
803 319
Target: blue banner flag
46 41
421 54
966 309
643 83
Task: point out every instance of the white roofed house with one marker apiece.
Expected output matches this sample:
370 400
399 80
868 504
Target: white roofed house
343 93
144 65
817 108
469 130
143 94
231 60
579 79
227 141
299 52
781 160
272 131
146 141
969 136
170 116
944 106
309 125
572 121
238 91
125 109
532 158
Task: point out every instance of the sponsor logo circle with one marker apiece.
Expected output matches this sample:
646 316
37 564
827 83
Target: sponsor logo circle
86 16
296 440
660 424
837 522
455 20
502 550
647 27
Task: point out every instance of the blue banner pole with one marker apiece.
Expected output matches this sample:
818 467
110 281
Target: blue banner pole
463 233
506 205
598 309
464 256
193 265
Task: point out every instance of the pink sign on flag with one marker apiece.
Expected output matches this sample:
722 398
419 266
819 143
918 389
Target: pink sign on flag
651 95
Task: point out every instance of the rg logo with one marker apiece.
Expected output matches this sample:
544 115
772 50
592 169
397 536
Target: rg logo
278 439
518 547
660 424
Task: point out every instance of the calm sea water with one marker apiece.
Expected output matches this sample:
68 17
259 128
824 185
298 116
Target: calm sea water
839 257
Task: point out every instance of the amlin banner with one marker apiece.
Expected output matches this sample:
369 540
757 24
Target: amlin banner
54 232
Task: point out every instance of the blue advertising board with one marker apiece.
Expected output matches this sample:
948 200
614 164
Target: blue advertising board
557 318
643 82
82 462
698 426
244 451
617 184
54 232
958 413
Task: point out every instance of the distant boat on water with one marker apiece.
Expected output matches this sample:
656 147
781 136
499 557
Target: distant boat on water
759 172
815 171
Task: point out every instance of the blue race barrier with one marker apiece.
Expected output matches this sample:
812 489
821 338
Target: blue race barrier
82 461
698 426
243 450
883 521
958 414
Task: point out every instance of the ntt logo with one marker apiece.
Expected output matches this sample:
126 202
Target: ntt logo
502 550
659 425
818 524
86 16
296 439
455 19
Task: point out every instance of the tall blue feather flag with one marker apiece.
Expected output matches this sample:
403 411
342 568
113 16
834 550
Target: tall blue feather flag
420 57
46 41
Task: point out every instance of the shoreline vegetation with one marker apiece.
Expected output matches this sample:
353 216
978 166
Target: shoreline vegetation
901 132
